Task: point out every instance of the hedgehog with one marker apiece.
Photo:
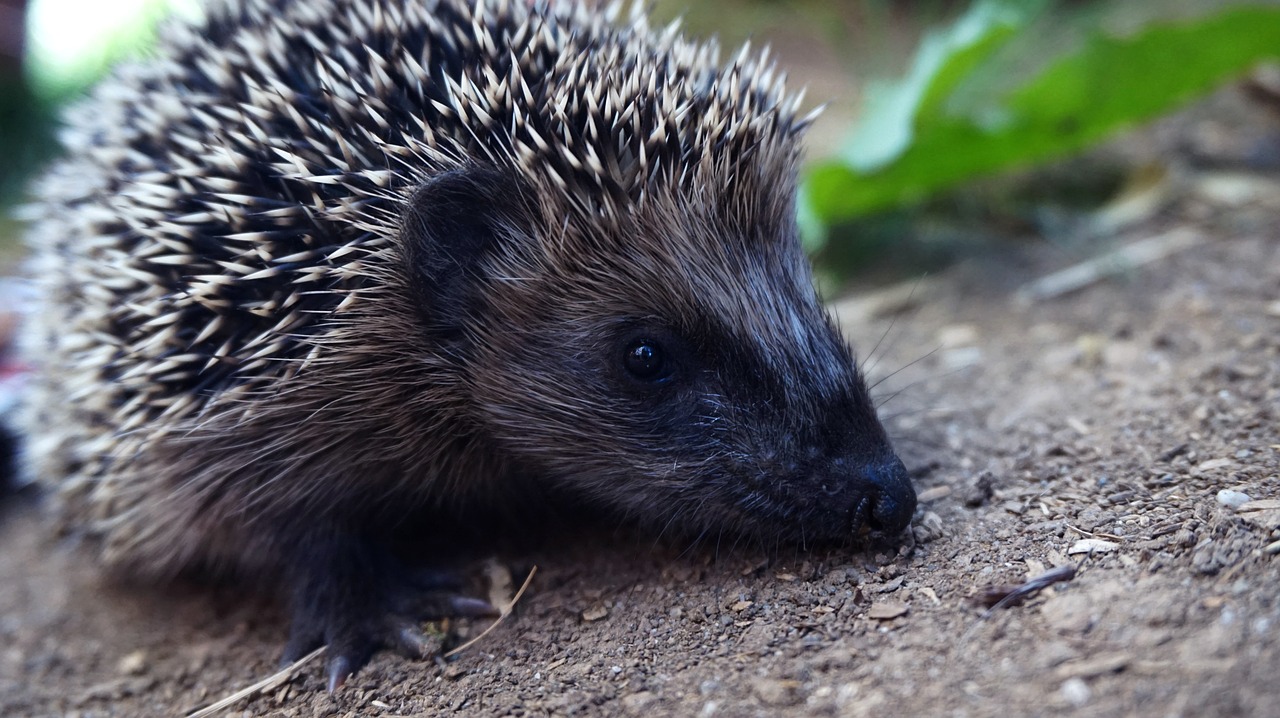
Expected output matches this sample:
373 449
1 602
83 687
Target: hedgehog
326 272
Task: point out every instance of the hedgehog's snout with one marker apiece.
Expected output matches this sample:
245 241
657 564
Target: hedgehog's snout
893 500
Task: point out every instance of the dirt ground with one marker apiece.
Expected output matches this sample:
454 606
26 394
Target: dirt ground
1128 429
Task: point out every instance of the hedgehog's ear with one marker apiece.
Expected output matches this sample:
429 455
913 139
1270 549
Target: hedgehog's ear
453 222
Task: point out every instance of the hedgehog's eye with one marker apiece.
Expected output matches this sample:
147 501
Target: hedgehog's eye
646 361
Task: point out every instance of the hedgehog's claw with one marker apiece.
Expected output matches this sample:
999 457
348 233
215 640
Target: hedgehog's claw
467 607
358 599
413 642
347 654
338 670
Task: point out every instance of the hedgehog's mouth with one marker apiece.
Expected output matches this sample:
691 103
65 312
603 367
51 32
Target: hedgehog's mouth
831 504
860 517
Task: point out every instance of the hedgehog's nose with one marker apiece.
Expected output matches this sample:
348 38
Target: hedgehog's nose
894 501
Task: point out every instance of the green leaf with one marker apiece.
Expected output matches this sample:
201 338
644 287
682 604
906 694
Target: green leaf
945 58
1105 84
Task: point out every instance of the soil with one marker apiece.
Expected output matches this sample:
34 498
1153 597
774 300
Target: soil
1127 429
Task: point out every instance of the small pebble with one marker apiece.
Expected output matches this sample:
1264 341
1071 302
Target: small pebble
777 692
933 494
980 490
639 701
887 610
133 664
1091 545
1234 499
929 528
1212 464
958 335
1075 691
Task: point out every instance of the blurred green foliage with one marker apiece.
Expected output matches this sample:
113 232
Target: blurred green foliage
26 136
30 99
998 85
953 118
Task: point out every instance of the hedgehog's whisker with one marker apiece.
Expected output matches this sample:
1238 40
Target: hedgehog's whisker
874 360
908 365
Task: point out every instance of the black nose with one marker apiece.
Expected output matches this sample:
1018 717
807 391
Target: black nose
895 499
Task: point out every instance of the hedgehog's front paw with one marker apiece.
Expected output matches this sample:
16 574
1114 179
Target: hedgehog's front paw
357 599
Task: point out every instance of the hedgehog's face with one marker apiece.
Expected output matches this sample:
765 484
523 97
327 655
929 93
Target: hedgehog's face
683 376
703 426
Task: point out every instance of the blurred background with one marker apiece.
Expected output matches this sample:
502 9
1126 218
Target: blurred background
949 127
